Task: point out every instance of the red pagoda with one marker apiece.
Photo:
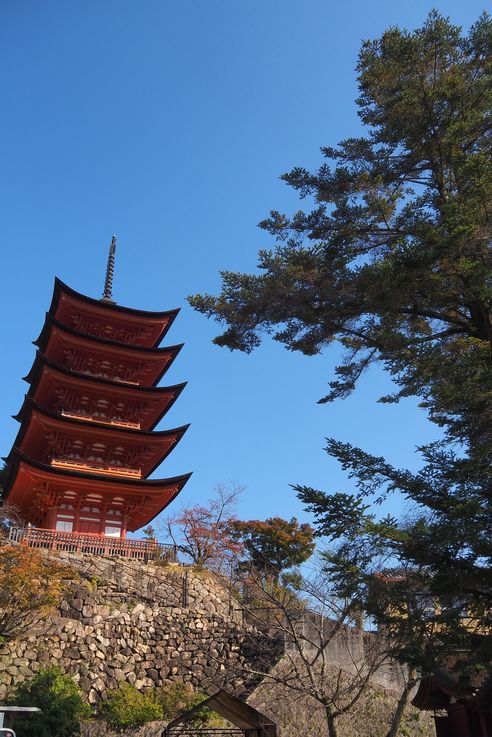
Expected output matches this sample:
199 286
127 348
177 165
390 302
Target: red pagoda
80 464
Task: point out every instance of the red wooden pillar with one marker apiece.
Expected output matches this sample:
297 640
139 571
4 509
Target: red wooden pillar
76 514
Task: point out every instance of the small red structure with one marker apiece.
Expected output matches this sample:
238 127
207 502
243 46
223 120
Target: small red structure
86 445
459 711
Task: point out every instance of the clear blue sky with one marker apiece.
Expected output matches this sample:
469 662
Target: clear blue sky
168 122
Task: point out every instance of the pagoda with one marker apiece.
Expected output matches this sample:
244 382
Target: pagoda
80 464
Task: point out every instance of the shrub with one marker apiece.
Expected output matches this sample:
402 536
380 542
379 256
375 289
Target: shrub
177 697
126 707
60 700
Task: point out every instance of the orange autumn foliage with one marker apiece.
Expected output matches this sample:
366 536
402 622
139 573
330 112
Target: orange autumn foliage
203 533
31 585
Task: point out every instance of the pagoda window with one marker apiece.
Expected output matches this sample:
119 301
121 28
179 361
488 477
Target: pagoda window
112 530
64 525
97 453
119 411
64 522
101 409
76 450
117 453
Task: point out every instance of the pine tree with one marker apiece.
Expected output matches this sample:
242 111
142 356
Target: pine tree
394 262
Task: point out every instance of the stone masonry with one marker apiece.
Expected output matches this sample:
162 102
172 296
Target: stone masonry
145 624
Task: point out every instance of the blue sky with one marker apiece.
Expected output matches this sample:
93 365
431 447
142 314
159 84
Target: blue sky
168 122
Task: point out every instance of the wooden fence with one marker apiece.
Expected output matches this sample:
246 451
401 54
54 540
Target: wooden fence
81 542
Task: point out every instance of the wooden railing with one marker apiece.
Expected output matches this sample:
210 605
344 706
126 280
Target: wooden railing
101 420
92 468
82 542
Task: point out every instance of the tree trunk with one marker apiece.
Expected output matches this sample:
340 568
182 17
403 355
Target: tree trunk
402 702
330 723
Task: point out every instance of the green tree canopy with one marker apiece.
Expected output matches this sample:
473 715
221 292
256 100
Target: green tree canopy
275 544
393 261
60 700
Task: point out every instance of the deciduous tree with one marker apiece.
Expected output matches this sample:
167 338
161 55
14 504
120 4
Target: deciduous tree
126 707
328 662
3 478
31 584
274 544
202 532
9 516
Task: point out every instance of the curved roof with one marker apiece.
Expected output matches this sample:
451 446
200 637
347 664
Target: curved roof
160 359
29 405
156 494
51 321
97 429
41 360
107 319
42 364
62 288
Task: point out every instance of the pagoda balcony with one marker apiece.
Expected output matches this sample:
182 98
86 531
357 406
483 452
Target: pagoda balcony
105 375
82 542
68 463
101 420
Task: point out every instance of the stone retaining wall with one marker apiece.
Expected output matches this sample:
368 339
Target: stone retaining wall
146 624
123 622
169 586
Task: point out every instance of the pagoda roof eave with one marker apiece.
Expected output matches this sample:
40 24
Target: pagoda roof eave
17 457
60 287
136 352
41 361
134 527
51 321
155 495
30 405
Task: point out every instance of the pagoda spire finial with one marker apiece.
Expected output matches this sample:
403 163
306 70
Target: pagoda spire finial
108 282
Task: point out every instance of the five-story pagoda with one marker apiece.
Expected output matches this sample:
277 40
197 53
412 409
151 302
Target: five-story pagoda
78 470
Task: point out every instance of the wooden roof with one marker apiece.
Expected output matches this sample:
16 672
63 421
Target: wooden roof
156 360
159 399
152 495
51 321
235 710
37 421
66 302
